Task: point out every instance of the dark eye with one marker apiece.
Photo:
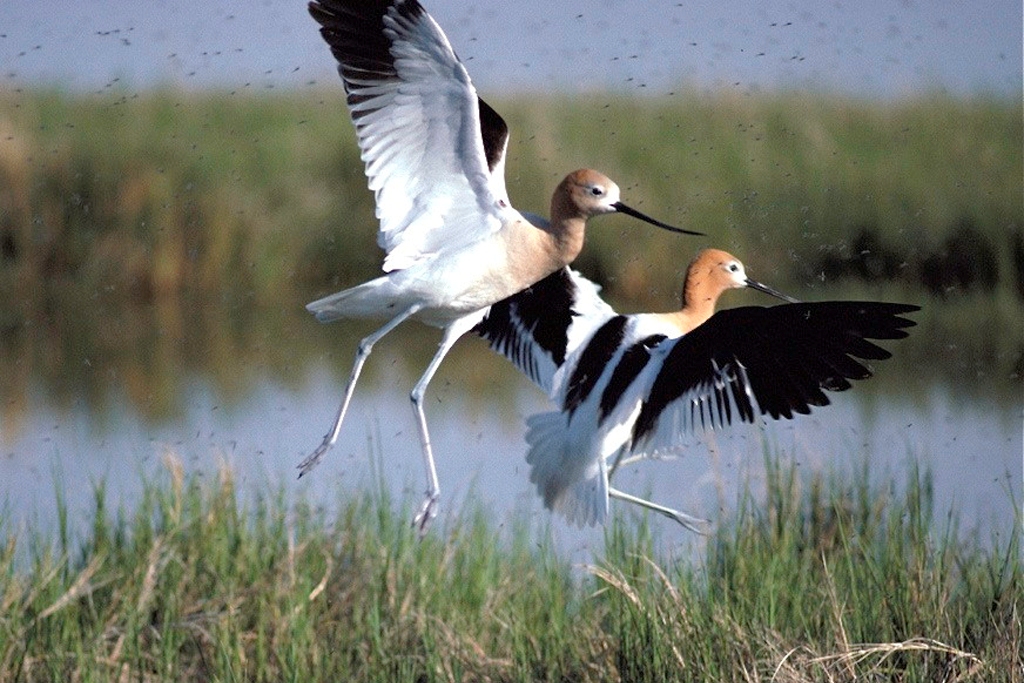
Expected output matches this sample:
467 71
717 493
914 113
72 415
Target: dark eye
597 191
733 267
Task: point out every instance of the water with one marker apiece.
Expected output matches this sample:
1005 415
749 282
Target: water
476 409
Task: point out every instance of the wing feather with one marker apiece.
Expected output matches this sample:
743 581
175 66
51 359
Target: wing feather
417 116
776 361
540 326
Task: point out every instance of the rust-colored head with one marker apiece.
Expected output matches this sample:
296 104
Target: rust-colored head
711 273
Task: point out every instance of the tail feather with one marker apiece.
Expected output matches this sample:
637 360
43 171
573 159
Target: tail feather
585 503
575 489
373 299
329 308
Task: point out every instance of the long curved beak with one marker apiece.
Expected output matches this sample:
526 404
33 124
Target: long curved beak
753 284
629 211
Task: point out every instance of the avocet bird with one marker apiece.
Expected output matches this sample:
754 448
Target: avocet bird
628 386
435 158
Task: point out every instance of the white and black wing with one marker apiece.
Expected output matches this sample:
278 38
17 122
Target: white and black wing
539 327
434 152
752 361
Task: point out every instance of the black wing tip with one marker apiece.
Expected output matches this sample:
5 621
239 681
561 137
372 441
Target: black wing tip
850 324
883 319
411 9
325 11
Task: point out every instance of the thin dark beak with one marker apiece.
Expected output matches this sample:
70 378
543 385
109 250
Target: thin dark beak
622 208
768 290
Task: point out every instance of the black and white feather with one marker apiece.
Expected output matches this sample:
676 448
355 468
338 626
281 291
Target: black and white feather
745 363
420 125
537 328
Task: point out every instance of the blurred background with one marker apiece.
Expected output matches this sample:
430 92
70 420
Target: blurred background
177 179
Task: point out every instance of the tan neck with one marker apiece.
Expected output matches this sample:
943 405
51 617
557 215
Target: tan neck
700 295
699 298
567 228
535 252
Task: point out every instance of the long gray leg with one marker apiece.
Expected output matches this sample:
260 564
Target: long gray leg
694 524
452 333
365 347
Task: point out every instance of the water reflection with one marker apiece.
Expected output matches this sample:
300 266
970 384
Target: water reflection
103 397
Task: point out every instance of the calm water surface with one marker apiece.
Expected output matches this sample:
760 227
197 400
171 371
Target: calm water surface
476 409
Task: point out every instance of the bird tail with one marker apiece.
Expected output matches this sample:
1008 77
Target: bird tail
369 300
573 488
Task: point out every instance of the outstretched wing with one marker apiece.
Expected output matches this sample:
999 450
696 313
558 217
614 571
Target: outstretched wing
752 361
434 152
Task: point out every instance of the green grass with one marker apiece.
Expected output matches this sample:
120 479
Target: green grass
824 580
163 192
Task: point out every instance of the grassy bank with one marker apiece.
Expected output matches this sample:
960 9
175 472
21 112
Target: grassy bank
164 234
824 580
155 194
